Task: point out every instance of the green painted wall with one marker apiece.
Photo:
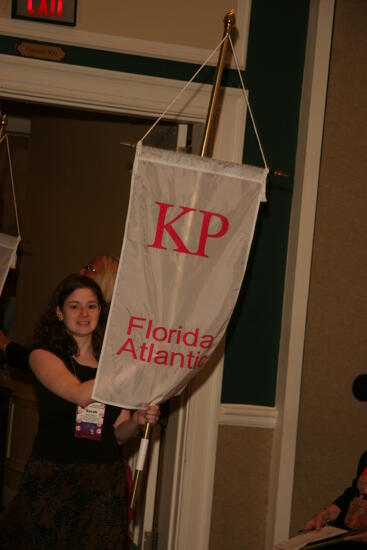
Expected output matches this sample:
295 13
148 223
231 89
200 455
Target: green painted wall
274 78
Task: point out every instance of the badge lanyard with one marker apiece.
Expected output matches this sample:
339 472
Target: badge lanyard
89 420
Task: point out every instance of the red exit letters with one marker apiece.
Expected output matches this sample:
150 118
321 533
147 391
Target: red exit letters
45 8
163 225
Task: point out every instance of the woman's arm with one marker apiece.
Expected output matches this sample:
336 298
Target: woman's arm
51 371
128 425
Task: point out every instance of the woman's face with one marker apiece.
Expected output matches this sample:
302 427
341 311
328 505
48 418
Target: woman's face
80 312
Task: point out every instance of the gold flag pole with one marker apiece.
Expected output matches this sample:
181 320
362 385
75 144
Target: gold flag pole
139 467
229 21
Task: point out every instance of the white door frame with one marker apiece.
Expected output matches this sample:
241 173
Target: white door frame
102 90
299 255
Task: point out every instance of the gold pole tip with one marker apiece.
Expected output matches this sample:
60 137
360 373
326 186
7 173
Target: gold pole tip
129 144
229 18
280 173
3 124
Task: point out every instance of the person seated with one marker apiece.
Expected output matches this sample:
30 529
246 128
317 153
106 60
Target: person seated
348 511
102 269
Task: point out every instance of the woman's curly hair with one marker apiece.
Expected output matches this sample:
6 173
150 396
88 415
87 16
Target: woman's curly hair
51 334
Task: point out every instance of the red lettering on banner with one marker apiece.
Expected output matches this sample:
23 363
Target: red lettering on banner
189 341
156 332
197 359
164 225
151 349
143 348
181 357
204 235
144 340
172 332
206 341
128 346
202 360
132 323
189 357
161 357
170 335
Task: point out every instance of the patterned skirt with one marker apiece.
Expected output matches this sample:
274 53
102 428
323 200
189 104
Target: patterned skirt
67 506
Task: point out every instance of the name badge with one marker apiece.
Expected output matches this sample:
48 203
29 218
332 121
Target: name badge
89 421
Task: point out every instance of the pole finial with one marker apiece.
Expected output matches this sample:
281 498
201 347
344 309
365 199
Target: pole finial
3 124
229 20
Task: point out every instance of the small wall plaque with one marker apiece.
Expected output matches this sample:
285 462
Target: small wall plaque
62 12
39 50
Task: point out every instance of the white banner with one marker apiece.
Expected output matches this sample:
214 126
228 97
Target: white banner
187 238
8 256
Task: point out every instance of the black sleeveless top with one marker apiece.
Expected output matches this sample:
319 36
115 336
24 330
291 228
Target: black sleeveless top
55 437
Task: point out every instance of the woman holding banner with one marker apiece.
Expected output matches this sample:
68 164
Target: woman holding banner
73 490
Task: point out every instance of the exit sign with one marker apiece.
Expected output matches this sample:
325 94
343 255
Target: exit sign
49 11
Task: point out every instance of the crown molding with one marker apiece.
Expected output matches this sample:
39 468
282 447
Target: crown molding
62 34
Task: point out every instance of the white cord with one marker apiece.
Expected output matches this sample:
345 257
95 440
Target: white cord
243 90
5 136
247 103
183 89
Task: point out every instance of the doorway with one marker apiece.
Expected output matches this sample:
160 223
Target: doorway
72 173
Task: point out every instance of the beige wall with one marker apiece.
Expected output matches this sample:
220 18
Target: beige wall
333 424
189 23
240 498
74 166
5 8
